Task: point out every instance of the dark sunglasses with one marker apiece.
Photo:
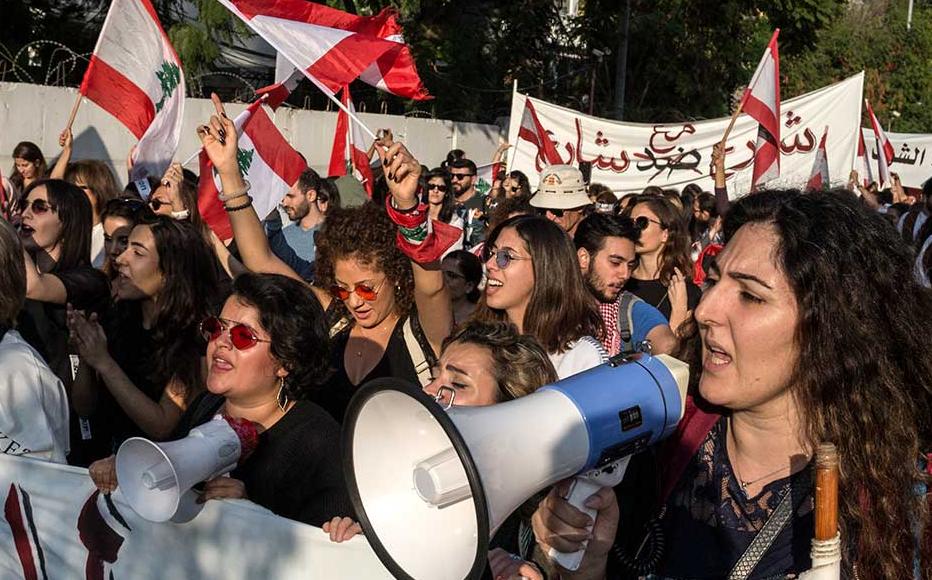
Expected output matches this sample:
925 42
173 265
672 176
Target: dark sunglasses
441 187
458 176
642 222
502 258
39 206
156 204
241 336
131 203
367 293
512 189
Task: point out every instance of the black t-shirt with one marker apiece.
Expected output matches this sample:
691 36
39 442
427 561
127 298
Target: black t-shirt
655 293
296 470
475 229
43 325
335 394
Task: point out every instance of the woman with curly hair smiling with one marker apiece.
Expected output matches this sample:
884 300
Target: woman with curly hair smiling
371 291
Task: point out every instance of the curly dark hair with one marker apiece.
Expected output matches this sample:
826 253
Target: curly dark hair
864 380
367 234
295 321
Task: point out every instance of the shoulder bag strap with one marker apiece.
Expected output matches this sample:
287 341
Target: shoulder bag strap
764 538
416 351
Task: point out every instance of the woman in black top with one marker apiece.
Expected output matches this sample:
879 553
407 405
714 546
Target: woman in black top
662 276
266 353
371 291
139 376
55 228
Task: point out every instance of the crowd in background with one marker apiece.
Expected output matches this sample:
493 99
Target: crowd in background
805 317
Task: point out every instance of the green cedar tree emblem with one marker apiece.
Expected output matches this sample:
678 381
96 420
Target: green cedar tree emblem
244 159
483 186
169 78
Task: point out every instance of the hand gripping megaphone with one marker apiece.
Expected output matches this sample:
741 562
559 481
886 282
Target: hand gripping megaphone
156 478
430 486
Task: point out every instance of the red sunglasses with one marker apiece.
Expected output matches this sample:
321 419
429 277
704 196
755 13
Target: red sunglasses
241 336
363 291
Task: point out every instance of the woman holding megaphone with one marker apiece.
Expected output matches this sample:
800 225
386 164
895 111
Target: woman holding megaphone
266 352
813 330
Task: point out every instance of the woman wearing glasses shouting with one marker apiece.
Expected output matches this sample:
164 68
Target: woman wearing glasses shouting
387 317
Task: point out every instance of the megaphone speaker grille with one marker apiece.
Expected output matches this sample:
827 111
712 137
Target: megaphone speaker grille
414 485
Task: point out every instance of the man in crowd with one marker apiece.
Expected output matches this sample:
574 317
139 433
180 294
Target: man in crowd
469 202
605 248
295 243
562 197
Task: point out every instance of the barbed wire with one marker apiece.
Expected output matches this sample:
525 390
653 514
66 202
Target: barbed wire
61 62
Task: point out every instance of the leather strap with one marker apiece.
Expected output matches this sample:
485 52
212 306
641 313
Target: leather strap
764 538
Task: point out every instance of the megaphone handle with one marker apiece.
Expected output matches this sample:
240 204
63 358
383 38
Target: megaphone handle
581 489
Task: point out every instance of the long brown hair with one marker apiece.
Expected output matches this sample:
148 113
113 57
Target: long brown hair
864 376
675 251
560 309
30 152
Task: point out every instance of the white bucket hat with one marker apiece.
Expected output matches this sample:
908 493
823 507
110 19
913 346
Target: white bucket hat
561 187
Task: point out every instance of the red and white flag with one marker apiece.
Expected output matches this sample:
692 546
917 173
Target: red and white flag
862 163
349 149
885 151
531 130
819 178
333 56
267 161
761 100
135 75
393 72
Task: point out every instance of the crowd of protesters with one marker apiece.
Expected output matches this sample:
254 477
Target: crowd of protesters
805 318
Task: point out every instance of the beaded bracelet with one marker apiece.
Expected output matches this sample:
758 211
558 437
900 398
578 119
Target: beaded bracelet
231 196
239 207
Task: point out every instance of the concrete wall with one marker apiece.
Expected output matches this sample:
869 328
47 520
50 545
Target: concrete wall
38 113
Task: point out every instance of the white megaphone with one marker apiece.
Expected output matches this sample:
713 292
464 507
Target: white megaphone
431 486
156 478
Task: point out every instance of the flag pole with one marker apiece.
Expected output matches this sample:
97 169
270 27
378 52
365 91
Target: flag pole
340 104
731 124
510 155
74 110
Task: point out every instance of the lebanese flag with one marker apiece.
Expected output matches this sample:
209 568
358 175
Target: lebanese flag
135 75
885 151
819 178
348 146
267 161
862 163
761 100
333 56
531 130
393 72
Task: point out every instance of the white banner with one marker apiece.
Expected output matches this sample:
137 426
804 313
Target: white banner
912 156
57 527
628 157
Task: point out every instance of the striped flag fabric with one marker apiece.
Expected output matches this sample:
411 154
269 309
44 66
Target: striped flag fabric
862 163
349 147
135 75
885 151
531 130
761 100
819 178
334 56
267 161
393 72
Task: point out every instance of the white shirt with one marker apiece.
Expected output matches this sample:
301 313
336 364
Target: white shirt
97 246
33 404
583 354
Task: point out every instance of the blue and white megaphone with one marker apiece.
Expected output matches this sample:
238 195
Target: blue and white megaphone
431 486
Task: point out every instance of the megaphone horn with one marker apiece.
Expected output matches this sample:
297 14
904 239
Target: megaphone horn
430 486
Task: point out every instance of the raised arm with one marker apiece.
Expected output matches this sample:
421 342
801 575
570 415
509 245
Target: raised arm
66 142
219 140
435 309
43 287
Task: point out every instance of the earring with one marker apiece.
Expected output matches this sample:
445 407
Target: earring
282 395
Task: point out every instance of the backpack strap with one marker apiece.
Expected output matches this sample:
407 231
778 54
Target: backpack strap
419 349
626 320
